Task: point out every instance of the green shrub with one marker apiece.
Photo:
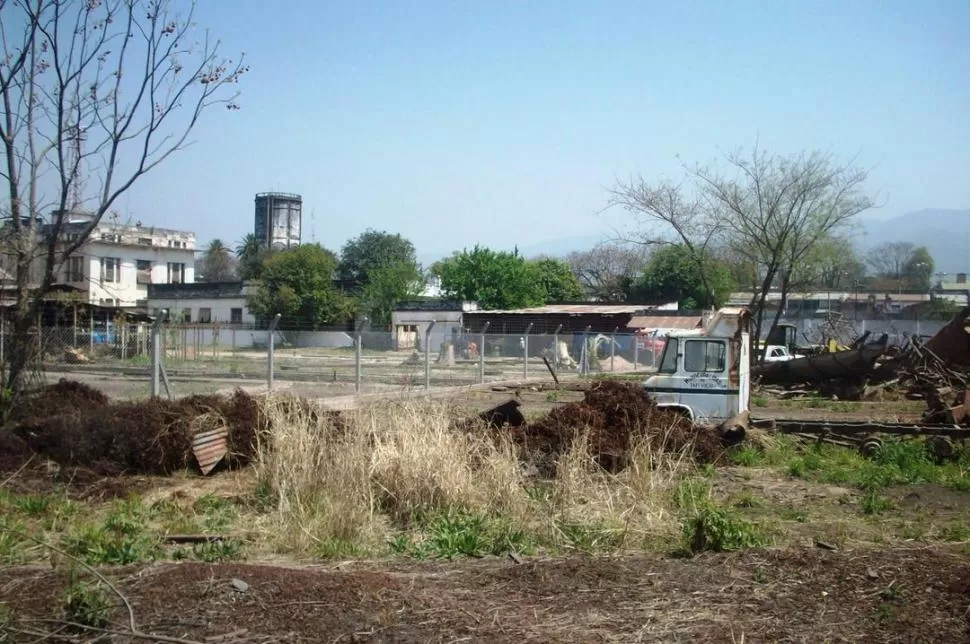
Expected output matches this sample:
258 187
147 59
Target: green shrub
715 529
87 604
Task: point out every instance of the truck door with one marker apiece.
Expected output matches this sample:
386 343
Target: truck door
704 379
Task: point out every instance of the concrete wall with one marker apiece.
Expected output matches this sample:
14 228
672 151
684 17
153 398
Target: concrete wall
220 308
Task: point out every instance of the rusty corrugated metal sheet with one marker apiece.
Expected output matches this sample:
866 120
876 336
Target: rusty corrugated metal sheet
210 447
664 322
576 309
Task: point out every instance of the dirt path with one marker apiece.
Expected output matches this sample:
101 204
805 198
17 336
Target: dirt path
795 595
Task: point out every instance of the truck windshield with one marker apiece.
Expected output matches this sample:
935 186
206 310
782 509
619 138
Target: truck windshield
668 363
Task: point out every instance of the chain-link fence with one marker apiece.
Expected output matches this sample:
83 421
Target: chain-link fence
369 359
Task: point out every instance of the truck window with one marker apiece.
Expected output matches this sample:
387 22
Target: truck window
704 355
668 363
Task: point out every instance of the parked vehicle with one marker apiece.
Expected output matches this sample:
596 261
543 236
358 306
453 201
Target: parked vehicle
704 372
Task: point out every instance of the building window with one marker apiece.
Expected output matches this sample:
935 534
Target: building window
205 315
145 241
186 316
111 237
175 243
144 269
108 301
75 269
110 269
235 316
704 356
176 273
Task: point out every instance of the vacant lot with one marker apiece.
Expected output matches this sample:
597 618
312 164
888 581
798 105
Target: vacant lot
398 523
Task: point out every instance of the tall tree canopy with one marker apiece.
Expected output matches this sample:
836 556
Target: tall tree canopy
93 96
298 284
493 279
217 263
557 280
902 264
607 271
382 270
769 209
673 275
372 250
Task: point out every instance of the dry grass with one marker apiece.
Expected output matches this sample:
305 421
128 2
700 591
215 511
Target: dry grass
385 468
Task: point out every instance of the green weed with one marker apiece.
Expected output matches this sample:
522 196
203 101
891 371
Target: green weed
121 539
456 533
715 529
793 514
759 401
874 503
32 505
590 537
748 500
217 513
219 550
746 455
955 532
552 396
337 548
87 604
692 493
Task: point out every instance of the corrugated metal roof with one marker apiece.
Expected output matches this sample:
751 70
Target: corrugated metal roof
664 322
210 447
577 309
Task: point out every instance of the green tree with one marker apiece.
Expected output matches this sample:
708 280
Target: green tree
373 250
674 274
217 264
386 286
918 270
493 279
557 280
250 254
298 284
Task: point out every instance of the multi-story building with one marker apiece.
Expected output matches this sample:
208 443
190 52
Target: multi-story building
118 262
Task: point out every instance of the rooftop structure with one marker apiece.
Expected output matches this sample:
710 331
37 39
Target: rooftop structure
278 219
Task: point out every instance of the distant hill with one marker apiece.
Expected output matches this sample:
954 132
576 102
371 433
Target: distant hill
945 233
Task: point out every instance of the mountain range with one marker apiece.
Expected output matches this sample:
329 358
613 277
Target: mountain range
945 233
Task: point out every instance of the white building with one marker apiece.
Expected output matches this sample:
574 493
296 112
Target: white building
118 262
202 302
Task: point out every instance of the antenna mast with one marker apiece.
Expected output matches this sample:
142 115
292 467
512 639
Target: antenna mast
77 137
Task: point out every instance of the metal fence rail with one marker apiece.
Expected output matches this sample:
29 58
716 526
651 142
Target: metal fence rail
364 358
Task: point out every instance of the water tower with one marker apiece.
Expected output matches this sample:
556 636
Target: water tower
278 219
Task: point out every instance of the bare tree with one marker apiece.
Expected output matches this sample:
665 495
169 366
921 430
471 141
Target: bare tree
607 271
666 215
889 259
765 211
775 209
92 91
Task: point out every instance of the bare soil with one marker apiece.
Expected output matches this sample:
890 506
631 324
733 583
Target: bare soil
900 594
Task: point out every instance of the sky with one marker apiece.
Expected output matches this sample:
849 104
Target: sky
506 123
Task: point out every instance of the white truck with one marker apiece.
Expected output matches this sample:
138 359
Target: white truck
704 373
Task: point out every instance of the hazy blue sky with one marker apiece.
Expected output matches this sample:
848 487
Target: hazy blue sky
499 122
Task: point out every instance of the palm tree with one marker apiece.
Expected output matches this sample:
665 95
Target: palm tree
250 254
217 262
248 247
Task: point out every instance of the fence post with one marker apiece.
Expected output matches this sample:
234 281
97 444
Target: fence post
270 352
481 355
555 346
3 331
585 357
74 344
613 349
358 350
525 352
427 355
636 352
156 351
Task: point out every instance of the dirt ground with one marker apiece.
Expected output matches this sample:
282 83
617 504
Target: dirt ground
900 594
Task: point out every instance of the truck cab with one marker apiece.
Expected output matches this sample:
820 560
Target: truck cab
704 373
